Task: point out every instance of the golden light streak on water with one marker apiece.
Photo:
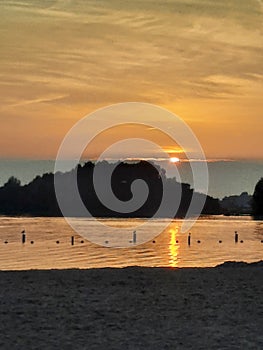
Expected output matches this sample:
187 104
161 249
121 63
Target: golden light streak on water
173 247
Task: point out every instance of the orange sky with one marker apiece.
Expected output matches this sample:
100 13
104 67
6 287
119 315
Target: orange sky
61 60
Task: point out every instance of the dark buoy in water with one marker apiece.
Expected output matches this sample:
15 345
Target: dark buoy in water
177 242
81 242
241 241
6 242
153 241
220 241
198 241
236 237
32 242
57 242
72 240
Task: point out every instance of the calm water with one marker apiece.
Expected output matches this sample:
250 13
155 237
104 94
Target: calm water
47 253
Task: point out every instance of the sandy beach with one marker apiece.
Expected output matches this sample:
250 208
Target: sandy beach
133 308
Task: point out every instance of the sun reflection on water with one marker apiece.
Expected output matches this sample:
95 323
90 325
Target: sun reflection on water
173 247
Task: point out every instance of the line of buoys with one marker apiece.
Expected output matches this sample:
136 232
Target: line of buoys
220 241
134 239
57 242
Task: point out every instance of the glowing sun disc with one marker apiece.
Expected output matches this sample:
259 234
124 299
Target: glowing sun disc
174 160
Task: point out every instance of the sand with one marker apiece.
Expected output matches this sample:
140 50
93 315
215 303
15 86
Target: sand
133 308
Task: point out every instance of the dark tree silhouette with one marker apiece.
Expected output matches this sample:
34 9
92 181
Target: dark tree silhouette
10 198
257 202
38 197
12 182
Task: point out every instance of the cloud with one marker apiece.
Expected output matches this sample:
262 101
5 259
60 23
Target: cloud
64 56
159 51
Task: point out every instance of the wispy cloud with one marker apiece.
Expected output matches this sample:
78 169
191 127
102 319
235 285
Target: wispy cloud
79 55
158 47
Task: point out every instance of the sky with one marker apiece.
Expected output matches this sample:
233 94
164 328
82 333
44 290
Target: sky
200 59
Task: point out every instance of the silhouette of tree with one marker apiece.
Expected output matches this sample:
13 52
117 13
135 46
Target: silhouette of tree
257 202
10 198
12 182
38 197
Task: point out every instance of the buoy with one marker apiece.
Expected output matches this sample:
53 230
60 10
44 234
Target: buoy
72 240
57 242
32 242
236 237
198 242
220 241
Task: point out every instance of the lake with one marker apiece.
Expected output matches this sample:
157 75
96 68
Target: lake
48 244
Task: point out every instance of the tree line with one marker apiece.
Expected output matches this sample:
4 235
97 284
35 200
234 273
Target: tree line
38 198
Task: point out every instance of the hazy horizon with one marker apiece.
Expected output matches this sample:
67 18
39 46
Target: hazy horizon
226 177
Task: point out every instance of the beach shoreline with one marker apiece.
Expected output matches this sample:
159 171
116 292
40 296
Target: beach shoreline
133 308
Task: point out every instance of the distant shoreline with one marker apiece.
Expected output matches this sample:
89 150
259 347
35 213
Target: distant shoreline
241 174
122 218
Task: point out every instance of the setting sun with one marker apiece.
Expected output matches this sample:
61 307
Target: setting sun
174 160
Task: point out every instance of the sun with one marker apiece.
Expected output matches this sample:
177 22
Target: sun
174 160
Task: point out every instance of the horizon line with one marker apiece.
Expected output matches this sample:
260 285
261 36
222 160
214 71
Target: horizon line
136 159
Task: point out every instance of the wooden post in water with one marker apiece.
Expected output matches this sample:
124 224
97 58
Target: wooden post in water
236 237
189 239
72 240
23 237
134 237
